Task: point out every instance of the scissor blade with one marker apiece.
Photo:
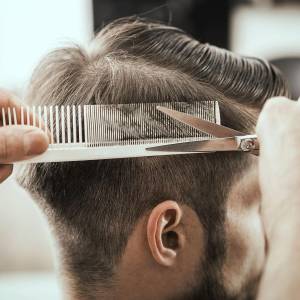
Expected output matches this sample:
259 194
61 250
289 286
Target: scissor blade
222 144
200 124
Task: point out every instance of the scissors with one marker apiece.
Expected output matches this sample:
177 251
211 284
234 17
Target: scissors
226 139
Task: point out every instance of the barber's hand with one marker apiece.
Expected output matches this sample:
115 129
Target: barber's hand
278 130
17 142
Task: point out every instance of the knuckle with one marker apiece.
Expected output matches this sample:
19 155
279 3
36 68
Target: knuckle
271 113
275 105
279 118
277 108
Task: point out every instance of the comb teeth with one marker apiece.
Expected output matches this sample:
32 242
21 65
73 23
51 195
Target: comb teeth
109 125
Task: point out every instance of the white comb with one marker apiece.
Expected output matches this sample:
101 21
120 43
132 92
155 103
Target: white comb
93 132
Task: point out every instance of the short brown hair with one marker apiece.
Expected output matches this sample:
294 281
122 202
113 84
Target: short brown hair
94 206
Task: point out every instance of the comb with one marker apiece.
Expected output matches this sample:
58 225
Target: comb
93 132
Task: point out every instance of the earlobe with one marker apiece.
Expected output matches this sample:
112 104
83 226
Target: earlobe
163 232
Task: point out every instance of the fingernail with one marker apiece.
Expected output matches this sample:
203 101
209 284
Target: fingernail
35 142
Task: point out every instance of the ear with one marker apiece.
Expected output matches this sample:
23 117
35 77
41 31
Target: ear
164 232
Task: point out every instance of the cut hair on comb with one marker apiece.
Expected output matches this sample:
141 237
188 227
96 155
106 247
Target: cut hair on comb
111 131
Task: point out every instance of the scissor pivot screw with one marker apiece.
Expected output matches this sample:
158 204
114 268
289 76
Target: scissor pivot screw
247 144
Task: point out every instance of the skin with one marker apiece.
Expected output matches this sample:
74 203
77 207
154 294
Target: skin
256 221
278 129
245 237
169 242
17 142
152 256
262 214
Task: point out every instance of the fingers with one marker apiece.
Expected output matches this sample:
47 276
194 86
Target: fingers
5 172
278 131
17 142
277 113
21 142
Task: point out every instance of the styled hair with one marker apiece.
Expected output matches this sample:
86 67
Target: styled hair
93 206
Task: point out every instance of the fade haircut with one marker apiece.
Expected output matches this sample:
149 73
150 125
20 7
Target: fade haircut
93 206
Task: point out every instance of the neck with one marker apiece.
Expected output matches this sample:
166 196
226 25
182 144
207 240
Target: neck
76 289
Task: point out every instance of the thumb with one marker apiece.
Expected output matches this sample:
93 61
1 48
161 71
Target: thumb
21 142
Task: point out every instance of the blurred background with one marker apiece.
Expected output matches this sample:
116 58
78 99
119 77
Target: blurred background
269 29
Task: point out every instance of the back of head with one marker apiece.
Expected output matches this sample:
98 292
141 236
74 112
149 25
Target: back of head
94 206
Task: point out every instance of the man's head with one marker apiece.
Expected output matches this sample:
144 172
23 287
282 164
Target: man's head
183 227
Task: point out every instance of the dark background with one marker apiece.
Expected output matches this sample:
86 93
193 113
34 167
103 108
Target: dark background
205 20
